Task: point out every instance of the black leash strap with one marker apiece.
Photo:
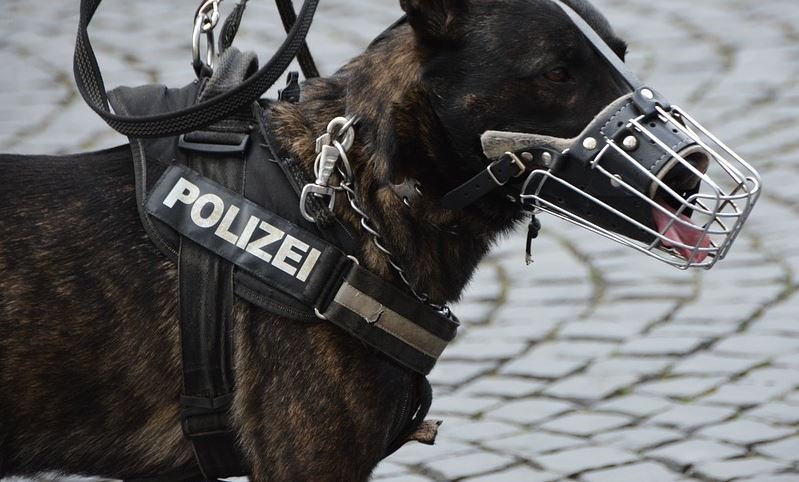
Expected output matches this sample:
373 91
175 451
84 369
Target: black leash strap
287 16
90 83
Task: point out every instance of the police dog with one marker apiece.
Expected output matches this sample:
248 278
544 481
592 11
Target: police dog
89 344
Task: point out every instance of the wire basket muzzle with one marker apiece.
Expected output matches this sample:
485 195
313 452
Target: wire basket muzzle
651 178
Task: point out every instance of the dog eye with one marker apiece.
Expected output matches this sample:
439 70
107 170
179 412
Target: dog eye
558 75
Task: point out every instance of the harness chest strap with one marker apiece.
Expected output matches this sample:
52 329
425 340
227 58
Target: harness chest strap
299 264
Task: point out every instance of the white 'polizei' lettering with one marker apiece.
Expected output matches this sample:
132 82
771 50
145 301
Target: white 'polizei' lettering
184 191
273 235
303 258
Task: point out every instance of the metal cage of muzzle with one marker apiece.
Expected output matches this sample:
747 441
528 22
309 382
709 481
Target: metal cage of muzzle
646 174
727 191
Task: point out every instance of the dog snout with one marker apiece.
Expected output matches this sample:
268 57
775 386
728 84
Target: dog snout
684 173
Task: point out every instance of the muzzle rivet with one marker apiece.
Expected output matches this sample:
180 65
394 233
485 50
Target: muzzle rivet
527 156
648 94
589 143
546 158
615 181
630 143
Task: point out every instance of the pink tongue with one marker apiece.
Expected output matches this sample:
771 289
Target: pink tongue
687 234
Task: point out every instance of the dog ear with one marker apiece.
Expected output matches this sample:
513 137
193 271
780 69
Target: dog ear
435 20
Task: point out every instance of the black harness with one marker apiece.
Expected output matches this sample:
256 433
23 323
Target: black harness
217 197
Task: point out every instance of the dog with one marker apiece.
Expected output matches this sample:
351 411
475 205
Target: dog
90 364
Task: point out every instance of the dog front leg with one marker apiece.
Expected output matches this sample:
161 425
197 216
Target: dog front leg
313 403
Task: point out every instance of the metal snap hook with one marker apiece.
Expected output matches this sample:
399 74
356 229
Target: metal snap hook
205 20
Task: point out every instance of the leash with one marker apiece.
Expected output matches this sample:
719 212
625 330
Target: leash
90 83
287 16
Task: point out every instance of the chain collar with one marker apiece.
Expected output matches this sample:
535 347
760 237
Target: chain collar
331 156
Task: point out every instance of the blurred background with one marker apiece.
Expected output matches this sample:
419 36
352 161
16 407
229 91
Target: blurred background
595 364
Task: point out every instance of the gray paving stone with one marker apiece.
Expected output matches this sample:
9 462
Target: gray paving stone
787 449
773 376
794 477
712 364
734 469
479 431
528 445
406 478
662 345
416 453
502 387
698 329
461 405
530 411
778 326
740 395
572 350
745 432
778 412
454 373
693 451
590 387
541 368
681 387
473 350
635 405
545 318
528 333
602 330
578 460
646 471
630 365
517 474
474 312
791 360
638 438
586 424
470 464
388 469
692 415
757 345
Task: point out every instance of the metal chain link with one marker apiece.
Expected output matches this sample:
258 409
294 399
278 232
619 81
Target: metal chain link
348 186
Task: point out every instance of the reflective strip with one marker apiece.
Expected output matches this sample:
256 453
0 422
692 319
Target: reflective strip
389 321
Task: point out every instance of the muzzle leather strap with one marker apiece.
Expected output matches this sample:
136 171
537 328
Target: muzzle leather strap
495 175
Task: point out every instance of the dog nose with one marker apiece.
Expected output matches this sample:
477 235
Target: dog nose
683 173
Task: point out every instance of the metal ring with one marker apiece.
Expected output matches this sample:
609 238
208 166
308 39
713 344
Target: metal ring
343 126
345 161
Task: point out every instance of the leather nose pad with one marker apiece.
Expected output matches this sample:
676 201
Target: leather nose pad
677 174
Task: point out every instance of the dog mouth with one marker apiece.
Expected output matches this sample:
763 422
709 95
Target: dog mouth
680 234
672 215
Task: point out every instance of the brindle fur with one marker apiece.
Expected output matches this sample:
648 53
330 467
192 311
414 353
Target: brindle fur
89 343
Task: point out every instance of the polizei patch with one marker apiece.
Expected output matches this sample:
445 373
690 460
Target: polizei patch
235 228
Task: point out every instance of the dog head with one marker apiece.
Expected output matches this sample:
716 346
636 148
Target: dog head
632 163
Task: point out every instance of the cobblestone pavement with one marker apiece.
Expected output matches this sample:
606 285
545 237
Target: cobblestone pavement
596 364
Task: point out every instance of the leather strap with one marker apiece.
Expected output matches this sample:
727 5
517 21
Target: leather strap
90 83
206 325
495 175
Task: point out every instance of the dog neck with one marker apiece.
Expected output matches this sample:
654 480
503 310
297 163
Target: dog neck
398 139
